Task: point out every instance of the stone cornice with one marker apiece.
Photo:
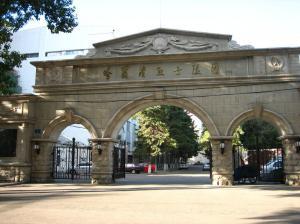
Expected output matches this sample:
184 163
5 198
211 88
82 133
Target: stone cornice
207 82
16 164
43 140
104 140
204 56
12 120
19 97
289 137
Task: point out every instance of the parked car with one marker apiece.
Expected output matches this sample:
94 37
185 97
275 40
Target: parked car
206 167
183 166
271 166
133 168
84 167
81 168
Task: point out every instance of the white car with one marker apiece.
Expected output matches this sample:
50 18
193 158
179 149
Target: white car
206 167
183 166
271 166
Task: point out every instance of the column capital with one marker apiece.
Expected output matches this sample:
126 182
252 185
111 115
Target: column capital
221 138
95 140
46 140
284 137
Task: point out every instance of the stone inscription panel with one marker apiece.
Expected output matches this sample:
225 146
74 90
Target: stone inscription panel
146 71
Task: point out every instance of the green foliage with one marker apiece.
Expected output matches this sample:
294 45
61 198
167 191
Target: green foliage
204 140
259 134
166 128
252 134
14 14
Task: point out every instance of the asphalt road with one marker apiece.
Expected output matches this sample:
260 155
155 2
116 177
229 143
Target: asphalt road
183 197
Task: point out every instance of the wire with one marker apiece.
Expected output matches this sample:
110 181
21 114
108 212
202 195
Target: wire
153 99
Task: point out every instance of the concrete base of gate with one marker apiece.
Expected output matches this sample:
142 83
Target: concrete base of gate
224 179
292 179
15 172
41 177
102 178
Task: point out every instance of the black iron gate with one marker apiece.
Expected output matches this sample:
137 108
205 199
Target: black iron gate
71 161
119 160
258 164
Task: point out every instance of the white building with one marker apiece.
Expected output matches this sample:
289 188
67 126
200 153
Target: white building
38 44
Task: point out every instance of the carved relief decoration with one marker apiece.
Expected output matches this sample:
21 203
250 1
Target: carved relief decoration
276 63
190 45
160 45
130 48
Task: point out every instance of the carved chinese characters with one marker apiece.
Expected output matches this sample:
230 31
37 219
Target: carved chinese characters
196 69
105 73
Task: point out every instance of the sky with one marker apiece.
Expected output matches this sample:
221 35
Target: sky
263 24
260 23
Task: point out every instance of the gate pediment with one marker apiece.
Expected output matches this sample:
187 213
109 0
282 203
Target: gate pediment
163 41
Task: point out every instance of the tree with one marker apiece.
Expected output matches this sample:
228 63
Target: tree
166 129
259 134
183 131
153 134
14 14
204 140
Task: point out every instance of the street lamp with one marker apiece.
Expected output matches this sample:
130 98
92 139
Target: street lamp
222 147
99 148
297 145
36 148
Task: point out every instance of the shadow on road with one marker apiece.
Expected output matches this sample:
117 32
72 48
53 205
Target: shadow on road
288 216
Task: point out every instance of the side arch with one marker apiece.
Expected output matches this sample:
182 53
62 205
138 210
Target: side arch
55 126
279 122
125 112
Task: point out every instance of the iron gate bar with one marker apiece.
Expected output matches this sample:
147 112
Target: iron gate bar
119 160
72 161
267 162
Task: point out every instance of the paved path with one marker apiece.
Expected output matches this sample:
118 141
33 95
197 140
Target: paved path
143 199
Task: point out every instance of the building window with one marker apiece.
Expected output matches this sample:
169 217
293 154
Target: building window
8 142
66 52
32 55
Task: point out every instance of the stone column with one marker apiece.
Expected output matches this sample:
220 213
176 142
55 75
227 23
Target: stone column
42 160
222 164
291 160
102 169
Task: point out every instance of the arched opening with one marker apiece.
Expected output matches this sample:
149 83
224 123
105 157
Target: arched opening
257 152
71 156
162 138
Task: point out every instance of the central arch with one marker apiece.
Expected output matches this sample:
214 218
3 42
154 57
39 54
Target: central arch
125 112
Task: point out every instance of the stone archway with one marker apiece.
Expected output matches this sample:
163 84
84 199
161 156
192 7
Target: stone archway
124 113
68 117
279 122
285 130
42 162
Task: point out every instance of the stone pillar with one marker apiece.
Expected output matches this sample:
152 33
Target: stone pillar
42 160
291 160
222 164
102 169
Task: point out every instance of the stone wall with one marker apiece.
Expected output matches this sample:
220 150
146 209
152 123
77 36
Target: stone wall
15 172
